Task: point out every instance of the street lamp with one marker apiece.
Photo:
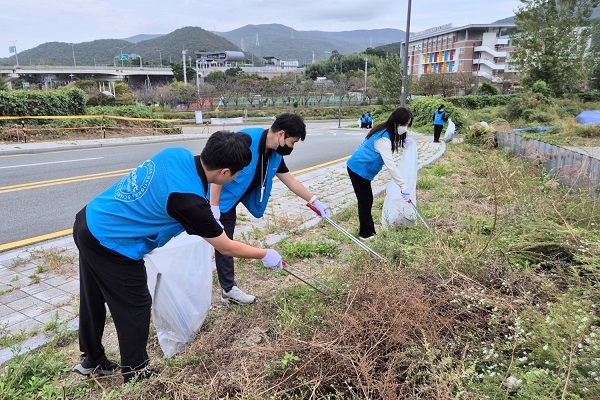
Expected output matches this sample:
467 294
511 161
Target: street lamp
366 61
183 53
121 55
160 56
405 56
73 48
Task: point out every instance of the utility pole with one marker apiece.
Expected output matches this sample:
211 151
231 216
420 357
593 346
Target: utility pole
13 49
73 48
405 57
160 56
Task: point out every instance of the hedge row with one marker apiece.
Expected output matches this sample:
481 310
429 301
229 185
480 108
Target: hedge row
69 101
474 102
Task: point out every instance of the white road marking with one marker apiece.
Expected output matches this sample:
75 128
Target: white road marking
51 162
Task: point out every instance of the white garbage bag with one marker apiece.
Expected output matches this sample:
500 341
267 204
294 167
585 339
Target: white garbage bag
180 282
396 211
449 135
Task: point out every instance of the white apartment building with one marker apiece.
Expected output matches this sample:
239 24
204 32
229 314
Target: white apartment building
481 49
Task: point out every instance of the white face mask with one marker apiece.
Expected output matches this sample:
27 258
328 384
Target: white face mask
402 130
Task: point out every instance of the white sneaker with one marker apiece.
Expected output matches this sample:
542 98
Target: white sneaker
373 236
236 296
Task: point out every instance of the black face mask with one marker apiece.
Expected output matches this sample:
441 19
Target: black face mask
284 150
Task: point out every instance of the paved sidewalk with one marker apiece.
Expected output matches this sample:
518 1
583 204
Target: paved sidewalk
39 284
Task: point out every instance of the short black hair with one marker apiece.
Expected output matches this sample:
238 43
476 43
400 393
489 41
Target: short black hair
227 149
292 124
441 106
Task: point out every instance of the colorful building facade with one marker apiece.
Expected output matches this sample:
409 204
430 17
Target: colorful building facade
481 49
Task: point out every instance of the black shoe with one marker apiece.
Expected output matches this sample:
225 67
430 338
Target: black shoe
141 375
104 367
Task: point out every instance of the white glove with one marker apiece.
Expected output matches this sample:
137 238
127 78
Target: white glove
323 211
408 142
272 260
405 195
216 211
217 214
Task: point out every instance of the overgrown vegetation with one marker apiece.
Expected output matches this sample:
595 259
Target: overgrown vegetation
501 303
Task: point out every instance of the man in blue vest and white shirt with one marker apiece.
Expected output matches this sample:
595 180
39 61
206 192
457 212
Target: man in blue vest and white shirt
252 187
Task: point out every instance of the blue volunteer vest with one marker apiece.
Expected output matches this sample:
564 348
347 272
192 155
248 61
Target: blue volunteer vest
130 217
438 117
233 191
366 161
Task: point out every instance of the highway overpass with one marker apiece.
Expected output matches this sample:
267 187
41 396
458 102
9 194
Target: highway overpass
60 75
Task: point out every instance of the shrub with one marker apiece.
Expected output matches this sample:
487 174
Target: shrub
69 101
487 89
423 108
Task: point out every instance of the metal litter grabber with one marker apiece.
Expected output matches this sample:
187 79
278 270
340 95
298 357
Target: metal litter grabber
421 217
296 273
345 232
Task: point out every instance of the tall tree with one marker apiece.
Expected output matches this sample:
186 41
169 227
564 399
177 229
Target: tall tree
551 42
388 79
594 55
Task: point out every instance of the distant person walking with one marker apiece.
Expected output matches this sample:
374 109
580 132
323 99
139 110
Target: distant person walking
439 119
368 159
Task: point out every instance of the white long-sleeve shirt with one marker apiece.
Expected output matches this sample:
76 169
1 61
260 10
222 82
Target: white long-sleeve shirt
384 148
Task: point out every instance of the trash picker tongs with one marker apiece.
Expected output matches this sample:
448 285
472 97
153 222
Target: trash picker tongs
296 272
345 232
421 217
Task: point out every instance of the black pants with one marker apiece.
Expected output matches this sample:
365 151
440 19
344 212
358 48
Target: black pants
225 266
364 197
437 131
106 276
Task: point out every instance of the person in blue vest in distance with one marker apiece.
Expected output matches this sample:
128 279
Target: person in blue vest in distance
159 199
368 159
368 120
363 121
439 119
252 187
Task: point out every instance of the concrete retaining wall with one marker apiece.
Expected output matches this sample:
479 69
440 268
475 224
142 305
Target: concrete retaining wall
571 168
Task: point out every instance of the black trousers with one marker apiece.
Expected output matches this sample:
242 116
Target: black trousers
106 276
225 264
364 197
437 131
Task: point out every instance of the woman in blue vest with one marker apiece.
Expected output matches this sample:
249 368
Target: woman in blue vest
439 119
368 159
252 187
159 199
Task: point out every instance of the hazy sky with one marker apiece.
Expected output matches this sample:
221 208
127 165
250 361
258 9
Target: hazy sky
29 23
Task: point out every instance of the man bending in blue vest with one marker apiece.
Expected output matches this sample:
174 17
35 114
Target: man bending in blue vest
252 187
159 199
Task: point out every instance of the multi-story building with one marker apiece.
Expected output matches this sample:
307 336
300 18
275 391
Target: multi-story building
481 49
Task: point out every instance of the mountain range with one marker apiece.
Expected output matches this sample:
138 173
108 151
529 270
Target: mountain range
257 41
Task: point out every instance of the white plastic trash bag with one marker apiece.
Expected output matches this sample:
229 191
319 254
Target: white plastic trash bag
180 282
397 211
449 135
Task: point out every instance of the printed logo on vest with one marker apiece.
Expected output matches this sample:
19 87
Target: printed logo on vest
133 186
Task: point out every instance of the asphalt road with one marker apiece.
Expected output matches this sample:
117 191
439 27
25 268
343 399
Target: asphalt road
41 193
